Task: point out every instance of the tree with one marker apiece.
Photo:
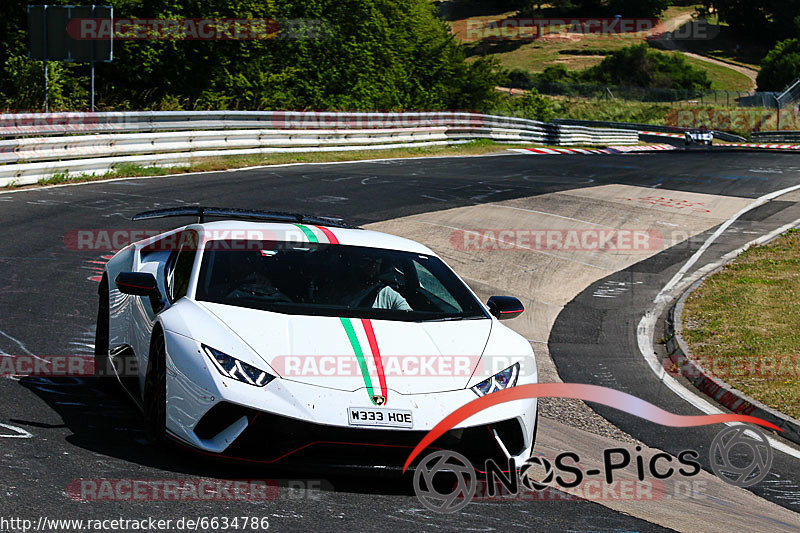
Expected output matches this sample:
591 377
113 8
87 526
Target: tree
780 67
369 55
764 20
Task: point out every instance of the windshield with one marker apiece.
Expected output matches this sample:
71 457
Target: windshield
333 280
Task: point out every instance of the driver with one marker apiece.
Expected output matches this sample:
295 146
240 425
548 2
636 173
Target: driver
367 289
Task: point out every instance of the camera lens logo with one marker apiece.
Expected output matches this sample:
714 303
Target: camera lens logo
534 466
450 466
740 455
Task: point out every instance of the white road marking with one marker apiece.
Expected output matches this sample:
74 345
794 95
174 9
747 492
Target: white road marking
433 198
20 433
692 260
645 330
550 215
21 347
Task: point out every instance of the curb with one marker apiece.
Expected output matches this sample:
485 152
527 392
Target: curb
611 150
763 146
661 134
720 391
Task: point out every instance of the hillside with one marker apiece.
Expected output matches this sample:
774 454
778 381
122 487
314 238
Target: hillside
579 51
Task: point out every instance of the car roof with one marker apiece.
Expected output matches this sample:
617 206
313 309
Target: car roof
247 230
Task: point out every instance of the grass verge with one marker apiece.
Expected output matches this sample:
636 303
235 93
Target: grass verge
610 110
743 323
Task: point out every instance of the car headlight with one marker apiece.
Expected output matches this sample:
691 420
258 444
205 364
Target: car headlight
239 370
502 380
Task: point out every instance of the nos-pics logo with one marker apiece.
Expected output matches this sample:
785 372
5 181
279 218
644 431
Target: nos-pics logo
446 481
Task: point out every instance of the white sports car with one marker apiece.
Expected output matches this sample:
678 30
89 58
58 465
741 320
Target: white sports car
698 136
275 337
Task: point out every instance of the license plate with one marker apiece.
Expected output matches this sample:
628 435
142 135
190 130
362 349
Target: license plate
367 416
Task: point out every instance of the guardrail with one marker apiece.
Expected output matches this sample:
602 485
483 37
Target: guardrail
776 136
101 141
730 137
39 124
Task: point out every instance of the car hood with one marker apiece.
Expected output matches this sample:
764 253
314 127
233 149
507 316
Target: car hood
351 354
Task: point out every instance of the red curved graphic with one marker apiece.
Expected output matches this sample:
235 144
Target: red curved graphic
580 391
329 234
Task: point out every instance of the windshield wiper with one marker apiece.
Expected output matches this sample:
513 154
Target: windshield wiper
450 318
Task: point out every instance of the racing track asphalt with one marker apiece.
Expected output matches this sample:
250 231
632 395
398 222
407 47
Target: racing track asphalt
79 431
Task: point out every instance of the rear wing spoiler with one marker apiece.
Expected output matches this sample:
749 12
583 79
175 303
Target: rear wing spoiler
241 214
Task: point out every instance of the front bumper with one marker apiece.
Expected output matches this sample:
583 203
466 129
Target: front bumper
287 421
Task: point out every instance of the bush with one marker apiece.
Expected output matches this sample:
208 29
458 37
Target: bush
531 106
635 66
521 79
25 86
781 66
640 66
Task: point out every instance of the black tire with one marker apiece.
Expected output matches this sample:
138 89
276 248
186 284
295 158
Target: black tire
155 392
535 430
102 365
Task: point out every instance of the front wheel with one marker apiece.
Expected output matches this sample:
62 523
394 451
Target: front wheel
102 365
155 392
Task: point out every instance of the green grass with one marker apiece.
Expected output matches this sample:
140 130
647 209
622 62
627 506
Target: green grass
612 110
722 78
674 11
535 56
124 170
748 316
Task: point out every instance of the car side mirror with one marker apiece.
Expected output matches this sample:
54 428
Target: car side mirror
140 284
505 307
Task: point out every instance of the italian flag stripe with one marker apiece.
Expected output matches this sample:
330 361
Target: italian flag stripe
351 335
312 237
329 234
376 354
356 336
309 234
